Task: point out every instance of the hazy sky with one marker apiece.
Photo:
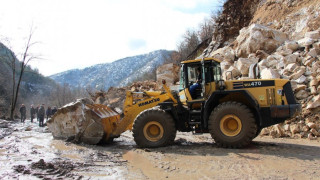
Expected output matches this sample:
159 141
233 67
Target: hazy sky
80 33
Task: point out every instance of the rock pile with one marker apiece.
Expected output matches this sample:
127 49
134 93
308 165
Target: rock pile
115 97
276 56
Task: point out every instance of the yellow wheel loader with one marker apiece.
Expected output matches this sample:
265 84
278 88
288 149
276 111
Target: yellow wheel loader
232 111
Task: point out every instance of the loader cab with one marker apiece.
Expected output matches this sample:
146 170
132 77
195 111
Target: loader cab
198 79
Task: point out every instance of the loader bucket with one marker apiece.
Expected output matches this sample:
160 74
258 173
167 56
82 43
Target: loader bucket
109 119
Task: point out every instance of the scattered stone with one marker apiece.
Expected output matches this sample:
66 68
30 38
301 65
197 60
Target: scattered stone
311 125
313 35
292 45
314 103
269 73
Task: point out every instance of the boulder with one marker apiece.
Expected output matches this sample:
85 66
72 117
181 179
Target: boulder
307 61
305 42
292 58
261 54
302 94
269 73
258 37
301 79
243 65
168 72
299 73
226 53
314 132
313 34
231 73
313 90
76 121
279 130
294 128
313 82
225 65
299 87
314 103
292 45
290 67
311 125
313 52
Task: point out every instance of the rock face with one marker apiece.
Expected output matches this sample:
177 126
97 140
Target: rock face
258 37
75 121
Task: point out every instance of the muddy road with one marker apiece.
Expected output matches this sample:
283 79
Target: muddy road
30 152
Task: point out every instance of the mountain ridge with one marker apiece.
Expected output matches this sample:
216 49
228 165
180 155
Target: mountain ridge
114 74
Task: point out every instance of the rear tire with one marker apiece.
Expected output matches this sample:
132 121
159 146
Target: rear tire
232 125
154 128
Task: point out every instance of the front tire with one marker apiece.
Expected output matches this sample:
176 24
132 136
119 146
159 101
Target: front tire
232 125
154 128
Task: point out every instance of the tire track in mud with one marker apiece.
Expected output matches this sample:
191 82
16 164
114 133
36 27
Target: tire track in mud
199 158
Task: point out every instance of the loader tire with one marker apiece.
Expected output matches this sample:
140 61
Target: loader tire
154 128
232 125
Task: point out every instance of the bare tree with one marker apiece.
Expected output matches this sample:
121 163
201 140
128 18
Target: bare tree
26 58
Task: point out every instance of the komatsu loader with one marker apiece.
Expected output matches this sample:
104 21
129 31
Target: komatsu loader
232 111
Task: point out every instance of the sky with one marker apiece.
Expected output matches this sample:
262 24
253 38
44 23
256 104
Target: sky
71 34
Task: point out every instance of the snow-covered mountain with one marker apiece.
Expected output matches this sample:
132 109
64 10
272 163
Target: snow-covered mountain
117 73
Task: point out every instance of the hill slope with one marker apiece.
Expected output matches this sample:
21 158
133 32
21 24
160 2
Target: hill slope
34 86
118 73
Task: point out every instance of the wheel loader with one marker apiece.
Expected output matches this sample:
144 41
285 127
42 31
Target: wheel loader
232 111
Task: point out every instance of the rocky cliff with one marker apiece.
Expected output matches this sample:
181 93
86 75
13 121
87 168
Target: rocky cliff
283 39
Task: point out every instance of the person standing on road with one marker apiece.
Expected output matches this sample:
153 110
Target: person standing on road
41 114
48 112
23 112
32 112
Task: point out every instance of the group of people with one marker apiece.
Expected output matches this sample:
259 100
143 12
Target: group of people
39 112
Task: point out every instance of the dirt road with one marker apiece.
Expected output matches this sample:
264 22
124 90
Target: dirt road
30 152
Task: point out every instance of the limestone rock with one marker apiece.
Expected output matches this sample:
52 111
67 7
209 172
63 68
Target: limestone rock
302 94
313 34
265 132
290 67
299 87
295 128
313 52
313 82
243 65
225 65
231 73
299 73
286 127
74 120
305 41
292 45
301 79
226 53
315 102
314 132
269 73
292 58
311 137
258 37
311 125
313 90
